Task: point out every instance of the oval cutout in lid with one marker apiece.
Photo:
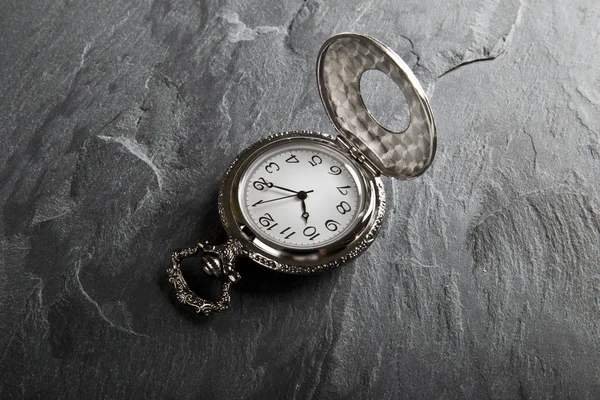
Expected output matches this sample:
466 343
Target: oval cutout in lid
341 62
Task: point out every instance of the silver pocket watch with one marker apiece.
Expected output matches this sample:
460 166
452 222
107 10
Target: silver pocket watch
303 202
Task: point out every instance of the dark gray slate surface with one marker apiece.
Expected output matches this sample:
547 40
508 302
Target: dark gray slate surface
118 118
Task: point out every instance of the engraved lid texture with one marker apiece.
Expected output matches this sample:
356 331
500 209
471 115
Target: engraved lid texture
341 62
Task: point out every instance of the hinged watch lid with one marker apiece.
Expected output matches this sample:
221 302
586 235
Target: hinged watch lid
341 62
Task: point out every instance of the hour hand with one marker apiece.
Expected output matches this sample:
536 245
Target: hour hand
302 197
305 215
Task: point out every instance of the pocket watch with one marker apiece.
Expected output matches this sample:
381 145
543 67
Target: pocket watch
303 202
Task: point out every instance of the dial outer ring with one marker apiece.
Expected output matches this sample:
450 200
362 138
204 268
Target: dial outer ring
290 260
295 145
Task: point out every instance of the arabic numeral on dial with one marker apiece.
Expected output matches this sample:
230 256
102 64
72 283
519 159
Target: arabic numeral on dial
332 225
343 207
261 184
335 170
316 160
342 191
292 159
283 232
272 226
272 167
310 232
266 220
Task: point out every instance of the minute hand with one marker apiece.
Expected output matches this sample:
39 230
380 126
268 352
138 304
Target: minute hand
279 198
286 189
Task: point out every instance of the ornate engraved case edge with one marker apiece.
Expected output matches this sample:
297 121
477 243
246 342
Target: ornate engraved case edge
364 233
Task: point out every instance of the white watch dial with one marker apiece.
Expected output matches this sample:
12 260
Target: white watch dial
301 195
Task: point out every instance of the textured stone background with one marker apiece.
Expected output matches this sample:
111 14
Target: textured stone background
117 119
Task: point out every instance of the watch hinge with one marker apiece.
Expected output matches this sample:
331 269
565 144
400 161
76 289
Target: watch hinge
357 155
